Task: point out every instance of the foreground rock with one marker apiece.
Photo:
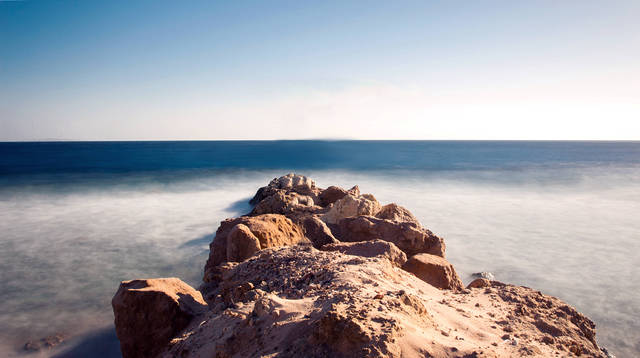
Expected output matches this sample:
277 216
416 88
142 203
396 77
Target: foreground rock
148 313
259 232
269 291
300 302
434 270
374 248
407 236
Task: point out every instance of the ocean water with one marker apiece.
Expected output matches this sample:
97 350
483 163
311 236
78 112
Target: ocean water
77 218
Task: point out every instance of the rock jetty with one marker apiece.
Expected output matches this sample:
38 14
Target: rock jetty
314 272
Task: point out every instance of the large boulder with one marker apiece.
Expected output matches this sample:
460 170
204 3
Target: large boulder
407 236
350 206
148 313
241 243
397 213
331 194
373 248
287 183
271 230
282 202
435 271
315 230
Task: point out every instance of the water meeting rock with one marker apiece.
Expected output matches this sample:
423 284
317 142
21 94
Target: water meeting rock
269 291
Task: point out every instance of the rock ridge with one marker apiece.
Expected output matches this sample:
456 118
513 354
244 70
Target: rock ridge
333 273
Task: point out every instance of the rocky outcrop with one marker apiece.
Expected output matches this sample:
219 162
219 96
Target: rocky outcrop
397 213
315 230
300 302
373 248
407 236
434 270
332 194
286 184
286 203
149 313
271 230
269 291
350 206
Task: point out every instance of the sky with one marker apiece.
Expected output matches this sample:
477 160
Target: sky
209 70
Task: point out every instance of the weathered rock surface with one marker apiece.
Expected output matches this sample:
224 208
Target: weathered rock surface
270 292
397 213
315 230
271 230
373 248
288 183
296 301
149 313
332 194
350 206
434 270
407 236
286 203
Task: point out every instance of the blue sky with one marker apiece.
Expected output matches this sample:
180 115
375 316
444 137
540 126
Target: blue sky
126 70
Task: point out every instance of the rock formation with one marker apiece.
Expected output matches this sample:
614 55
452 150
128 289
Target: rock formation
149 313
324 273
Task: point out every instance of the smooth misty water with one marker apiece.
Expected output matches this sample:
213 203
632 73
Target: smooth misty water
76 218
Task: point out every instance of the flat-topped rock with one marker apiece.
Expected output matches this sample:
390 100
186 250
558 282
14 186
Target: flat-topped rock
270 230
434 270
148 313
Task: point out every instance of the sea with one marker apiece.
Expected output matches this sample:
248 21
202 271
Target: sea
76 218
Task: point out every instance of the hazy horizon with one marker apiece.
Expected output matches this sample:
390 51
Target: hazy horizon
163 70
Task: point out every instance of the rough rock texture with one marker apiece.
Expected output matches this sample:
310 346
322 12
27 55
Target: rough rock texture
241 243
371 248
350 206
285 203
271 293
434 270
332 194
315 230
299 302
409 237
397 213
148 313
479 283
270 229
287 183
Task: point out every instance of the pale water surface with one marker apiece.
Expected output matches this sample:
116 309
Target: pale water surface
568 227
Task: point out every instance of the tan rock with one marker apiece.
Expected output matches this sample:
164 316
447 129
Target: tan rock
315 230
148 313
271 230
241 243
310 303
407 236
282 202
350 206
397 213
332 194
373 248
355 191
287 183
479 283
434 270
